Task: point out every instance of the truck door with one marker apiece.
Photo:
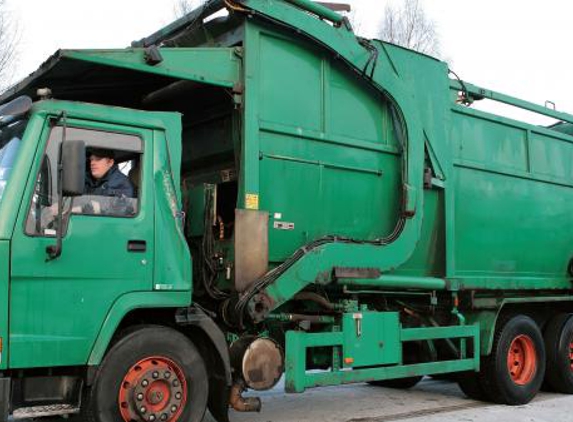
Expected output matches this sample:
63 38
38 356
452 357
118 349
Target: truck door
59 305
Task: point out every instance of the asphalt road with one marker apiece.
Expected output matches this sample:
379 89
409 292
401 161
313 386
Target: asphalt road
430 401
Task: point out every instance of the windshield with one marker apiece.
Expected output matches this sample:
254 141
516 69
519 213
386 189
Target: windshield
10 139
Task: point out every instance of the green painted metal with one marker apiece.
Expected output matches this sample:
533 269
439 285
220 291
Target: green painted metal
486 320
398 282
371 338
123 306
298 379
4 302
59 307
331 135
478 93
317 9
317 180
214 66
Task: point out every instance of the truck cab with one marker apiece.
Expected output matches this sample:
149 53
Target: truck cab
108 246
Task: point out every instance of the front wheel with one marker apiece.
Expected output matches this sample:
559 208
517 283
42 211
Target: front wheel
153 374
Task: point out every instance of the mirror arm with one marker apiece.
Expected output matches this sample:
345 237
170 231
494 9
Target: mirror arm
55 251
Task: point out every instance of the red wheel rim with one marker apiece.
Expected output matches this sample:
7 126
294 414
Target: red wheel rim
153 390
522 360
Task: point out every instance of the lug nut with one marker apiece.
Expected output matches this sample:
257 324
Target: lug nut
140 397
178 396
143 409
173 409
155 375
175 383
145 383
167 375
151 418
164 417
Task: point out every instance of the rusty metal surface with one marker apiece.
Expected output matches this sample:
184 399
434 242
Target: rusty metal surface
263 364
258 363
243 404
251 246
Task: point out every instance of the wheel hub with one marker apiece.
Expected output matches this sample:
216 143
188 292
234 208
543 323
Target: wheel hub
154 389
522 360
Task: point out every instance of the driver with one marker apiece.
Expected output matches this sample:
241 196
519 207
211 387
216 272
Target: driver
104 177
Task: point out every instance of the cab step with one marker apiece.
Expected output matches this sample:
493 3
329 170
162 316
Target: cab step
46 410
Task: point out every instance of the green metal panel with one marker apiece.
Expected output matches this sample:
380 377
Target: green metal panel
390 372
500 199
47 296
344 121
121 307
297 343
172 267
215 66
4 302
397 282
429 259
58 307
371 338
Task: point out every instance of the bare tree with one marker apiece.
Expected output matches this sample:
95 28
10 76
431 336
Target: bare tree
183 7
409 27
8 43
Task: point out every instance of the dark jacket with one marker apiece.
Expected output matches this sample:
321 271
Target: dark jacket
114 183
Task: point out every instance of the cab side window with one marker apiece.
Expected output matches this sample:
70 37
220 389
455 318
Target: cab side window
112 168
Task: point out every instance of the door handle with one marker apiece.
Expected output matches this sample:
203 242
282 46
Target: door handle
136 246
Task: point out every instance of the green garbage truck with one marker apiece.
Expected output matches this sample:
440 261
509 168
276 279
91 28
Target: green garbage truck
279 197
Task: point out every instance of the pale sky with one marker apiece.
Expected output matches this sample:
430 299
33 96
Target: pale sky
521 48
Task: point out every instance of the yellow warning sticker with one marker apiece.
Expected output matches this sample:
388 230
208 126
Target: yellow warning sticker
251 201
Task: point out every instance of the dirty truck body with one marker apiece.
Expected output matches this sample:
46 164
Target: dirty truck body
307 202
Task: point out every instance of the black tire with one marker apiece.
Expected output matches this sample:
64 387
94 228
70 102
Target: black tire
148 344
558 340
470 385
520 387
451 377
399 383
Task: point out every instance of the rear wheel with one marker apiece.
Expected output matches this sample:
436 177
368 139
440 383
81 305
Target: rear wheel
471 386
152 374
559 347
514 371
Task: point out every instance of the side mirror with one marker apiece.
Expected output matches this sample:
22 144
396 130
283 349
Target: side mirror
74 168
